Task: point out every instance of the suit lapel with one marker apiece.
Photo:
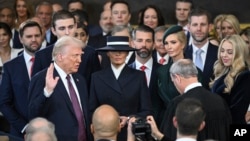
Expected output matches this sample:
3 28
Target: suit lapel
210 59
125 76
62 91
110 80
23 70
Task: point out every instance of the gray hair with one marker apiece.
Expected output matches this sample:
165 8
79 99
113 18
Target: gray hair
63 42
185 68
39 123
119 28
49 133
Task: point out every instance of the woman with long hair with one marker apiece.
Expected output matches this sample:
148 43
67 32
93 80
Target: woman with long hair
232 76
151 16
23 11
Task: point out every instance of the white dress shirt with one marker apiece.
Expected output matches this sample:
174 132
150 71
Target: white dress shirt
148 70
117 71
203 54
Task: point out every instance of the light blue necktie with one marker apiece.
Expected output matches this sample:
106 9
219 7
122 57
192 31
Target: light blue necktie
198 59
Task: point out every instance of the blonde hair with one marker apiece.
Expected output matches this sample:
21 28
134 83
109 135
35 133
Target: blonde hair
182 37
240 53
231 19
217 19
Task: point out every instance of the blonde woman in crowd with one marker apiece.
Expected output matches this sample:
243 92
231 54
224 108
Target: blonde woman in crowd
217 30
232 76
230 25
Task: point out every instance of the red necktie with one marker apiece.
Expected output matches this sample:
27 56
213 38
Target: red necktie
162 60
32 59
143 68
78 111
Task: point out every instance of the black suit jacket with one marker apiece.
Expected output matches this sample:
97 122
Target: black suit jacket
52 39
218 117
211 57
16 40
129 95
157 103
89 64
14 93
58 107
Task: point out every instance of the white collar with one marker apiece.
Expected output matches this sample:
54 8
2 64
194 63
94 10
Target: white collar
191 86
148 64
203 48
117 71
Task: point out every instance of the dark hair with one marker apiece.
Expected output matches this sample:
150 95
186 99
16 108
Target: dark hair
26 24
200 12
82 14
11 9
187 1
62 14
120 2
143 28
189 114
82 26
158 13
6 28
245 31
74 1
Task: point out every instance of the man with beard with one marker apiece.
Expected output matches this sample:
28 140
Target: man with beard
16 78
201 51
143 41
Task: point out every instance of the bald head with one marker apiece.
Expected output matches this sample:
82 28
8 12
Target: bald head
105 123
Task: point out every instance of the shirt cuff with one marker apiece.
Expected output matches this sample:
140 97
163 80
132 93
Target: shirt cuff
248 108
47 94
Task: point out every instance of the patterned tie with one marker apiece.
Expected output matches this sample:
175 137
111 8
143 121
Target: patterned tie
78 111
162 60
198 59
32 60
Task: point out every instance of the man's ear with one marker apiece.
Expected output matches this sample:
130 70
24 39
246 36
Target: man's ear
202 125
53 30
92 129
175 123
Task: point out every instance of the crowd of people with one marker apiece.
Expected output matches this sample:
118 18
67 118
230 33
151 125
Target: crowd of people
64 79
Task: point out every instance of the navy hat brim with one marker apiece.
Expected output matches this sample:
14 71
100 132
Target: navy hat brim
116 48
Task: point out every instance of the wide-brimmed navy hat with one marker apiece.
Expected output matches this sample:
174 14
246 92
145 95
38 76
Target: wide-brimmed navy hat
117 43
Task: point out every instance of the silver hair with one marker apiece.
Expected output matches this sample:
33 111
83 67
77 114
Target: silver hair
185 68
63 42
31 127
49 133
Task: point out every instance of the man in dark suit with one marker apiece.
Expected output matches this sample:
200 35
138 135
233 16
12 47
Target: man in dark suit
143 41
160 53
120 86
218 117
105 123
60 94
44 11
63 23
199 27
16 79
106 25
